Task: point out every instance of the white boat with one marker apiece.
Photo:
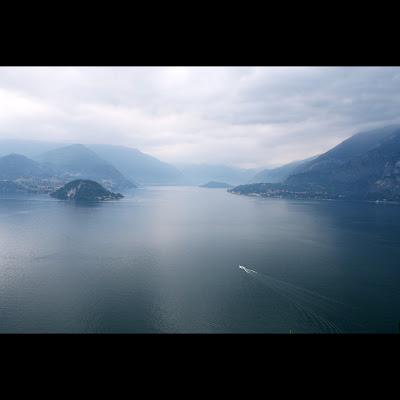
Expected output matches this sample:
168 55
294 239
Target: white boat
248 270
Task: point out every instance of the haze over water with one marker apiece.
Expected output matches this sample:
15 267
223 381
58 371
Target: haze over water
166 259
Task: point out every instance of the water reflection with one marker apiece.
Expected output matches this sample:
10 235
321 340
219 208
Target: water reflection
166 260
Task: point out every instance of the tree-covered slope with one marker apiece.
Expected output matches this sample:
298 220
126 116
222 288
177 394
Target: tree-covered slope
84 190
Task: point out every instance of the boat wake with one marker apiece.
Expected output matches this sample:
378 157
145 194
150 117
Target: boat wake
247 270
313 308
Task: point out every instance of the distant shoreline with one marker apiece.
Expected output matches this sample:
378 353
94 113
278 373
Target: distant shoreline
260 196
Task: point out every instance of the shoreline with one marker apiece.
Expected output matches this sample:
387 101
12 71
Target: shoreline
258 195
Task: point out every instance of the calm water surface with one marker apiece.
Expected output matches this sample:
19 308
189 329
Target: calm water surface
165 259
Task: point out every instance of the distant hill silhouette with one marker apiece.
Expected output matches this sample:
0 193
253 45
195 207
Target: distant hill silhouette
17 166
138 166
197 174
28 148
135 165
216 185
279 174
77 161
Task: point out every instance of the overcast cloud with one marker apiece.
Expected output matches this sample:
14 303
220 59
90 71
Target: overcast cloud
249 117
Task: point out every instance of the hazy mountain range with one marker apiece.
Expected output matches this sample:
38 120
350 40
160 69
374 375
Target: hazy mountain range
139 167
21 174
17 166
136 166
279 174
366 167
117 167
78 162
198 174
28 148
56 167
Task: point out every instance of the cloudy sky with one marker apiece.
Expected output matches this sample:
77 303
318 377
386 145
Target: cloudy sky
248 117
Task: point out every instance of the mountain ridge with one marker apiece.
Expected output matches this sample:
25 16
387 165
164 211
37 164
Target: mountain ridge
279 174
16 166
138 166
365 166
78 161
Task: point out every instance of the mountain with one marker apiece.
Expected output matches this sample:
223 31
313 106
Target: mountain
84 190
364 167
21 174
77 161
278 174
196 174
132 163
216 185
29 148
11 187
140 167
16 166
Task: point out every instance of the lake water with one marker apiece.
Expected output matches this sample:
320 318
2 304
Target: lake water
166 259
